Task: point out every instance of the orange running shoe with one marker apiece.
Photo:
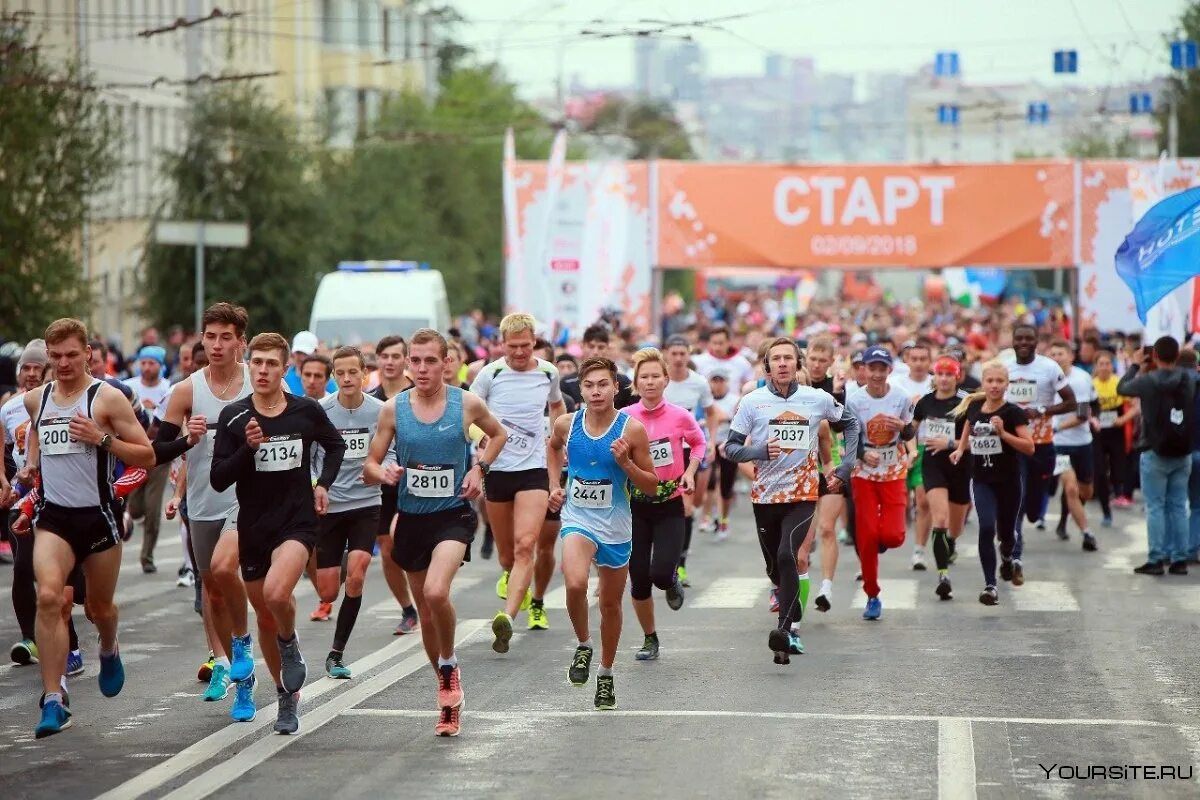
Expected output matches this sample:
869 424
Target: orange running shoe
448 724
450 693
323 613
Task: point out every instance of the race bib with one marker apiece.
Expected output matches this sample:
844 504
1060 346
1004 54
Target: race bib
430 480
54 437
591 494
210 435
887 456
1176 416
1061 464
279 454
519 439
939 429
793 434
1021 392
986 446
661 453
1108 419
358 441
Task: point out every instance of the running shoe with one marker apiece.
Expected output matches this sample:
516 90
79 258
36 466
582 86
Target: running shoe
528 601
795 646
204 674
334 667
780 644
74 663
322 612
502 586
243 701
1150 568
242 664
1061 533
943 588
581 666
66 698
874 609
773 606
989 596
218 685
24 652
502 629
1018 574
292 669
649 651
1106 521
1123 502
538 619
1089 543
675 596
843 536
722 532
450 722
953 551
707 525
450 692
683 576
1006 569
606 693
185 578
1041 524
56 718
918 561
6 553
409 623
112 674
287 721
822 602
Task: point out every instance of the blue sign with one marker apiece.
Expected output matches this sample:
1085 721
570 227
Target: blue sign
1141 103
1163 251
945 64
1038 113
1183 55
1066 62
947 114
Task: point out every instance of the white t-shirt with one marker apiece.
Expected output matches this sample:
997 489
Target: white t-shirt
1032 385
738 369
913 388
518 400
886 443
728 404
1085 392
15 419
692 393
156 394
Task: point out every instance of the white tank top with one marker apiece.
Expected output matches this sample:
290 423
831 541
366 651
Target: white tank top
74 474
204 502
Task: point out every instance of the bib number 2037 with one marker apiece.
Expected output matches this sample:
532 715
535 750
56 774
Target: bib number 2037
278 455
792 433
591 494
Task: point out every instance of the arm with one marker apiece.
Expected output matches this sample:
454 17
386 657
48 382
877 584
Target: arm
1019 440
712 421
374 471
476 413
850 437
333 445
632 452
556 458
964 441
130 443
1133 385
168 445
736 448
825 441
180 491
694 438
232 456
1131 413
1068 404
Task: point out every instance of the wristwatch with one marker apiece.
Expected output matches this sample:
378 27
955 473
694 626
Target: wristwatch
1041 411
105 441
485 468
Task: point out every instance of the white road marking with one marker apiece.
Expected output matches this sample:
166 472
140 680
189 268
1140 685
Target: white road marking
956 760
557 598
733 593
1044 596
207 748
247 759
896 594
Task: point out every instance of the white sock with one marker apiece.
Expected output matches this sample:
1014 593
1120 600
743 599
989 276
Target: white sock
221 661
604 672
826 587
587 644
452 661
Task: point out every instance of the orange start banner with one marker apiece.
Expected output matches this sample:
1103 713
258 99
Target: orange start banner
854 216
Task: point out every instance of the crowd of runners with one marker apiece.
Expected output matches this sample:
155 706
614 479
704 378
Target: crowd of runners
602 456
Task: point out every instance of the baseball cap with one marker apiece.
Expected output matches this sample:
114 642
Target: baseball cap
877 355
677 341
858 338
857 358
718 375
305 342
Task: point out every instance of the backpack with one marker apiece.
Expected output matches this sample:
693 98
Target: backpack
1175 419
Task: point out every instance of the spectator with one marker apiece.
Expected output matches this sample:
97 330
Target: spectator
1167 393
1188 362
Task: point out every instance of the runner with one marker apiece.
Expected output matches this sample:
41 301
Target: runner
315 375
658 519
263 445
435 525
79 426
1112 451
605 453
997 434
1034 380
518 389
916 384
885 413
723 475
1075 460
349 526
776 428
830 505
196 404
596 344
391 356
146 504
947 485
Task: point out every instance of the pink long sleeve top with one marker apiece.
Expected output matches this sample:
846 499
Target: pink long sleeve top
669 427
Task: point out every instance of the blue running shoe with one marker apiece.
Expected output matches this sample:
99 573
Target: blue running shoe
874 609
795 646
112 675
75 663
243 702
55 719
218 684
241 666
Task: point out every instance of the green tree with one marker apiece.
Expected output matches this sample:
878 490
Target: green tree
243 161
1100 145
58 148
1186 91
651 128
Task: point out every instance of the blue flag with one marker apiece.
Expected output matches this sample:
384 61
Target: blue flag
1163 250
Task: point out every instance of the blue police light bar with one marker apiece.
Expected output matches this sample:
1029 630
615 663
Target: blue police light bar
947 114
1066 62
381 266
1183 55
1038 113
945 64
1141 103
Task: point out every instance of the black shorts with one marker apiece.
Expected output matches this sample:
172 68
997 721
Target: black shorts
938 473
255 550
503 487
418 534
88 531
346 530
1083 461
390 500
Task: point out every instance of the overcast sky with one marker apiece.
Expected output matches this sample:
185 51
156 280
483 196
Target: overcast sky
998 40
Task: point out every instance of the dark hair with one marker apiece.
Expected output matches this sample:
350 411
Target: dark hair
322 360
391 341
593 364
197 349
1024 326
226 314
561 357
545 346
430 336
719 329
597 333
347 352
99 346
1166 350
1188 359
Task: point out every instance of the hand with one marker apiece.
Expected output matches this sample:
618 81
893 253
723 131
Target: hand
472 485
802 558
997 425
687 483
1032 413
937 444
773 448
620 451
254 434
391 474
320 500
26 476
9 498
557 497
839 381
834 484
893 424
1094 422
197 429
956 456
871 458
710 454
149 404
84 429
720 448
20 525
172 507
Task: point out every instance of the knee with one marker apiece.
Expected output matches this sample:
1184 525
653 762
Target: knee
662 576
610 608
436 596
223 570
523 548
575 581
354 584
276 599
49 599
639 589
98 614
329 594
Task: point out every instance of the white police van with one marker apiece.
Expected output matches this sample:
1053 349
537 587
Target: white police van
363 301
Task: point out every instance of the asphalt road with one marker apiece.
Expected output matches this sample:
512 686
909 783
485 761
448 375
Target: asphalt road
1087 666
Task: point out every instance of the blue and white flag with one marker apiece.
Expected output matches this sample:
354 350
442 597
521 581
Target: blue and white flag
1163 250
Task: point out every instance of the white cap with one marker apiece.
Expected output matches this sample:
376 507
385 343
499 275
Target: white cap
305 342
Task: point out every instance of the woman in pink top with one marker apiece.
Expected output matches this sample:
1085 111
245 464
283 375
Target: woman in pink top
658 522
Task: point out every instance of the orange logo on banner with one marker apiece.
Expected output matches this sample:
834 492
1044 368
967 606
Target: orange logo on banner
862 216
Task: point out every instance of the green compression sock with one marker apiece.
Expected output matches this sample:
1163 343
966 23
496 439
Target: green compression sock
805 586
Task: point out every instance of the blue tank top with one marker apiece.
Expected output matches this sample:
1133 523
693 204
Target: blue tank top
597 488
435 456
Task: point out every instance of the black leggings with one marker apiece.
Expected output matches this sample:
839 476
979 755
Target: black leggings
24 590
781 530
1110 466
997 505
657 546
1039 481
724 473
